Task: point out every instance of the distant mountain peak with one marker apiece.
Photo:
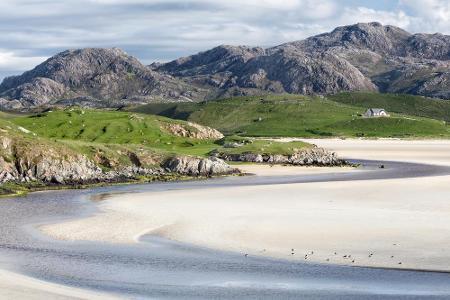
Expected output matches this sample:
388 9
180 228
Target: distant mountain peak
106 74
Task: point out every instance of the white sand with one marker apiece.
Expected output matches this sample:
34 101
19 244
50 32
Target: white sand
404 218
15 286
421 151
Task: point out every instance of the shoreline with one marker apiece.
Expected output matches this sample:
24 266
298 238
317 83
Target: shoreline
174 215
17 189
42 187
170 229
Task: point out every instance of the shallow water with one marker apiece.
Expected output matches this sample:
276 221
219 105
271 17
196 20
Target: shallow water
159 268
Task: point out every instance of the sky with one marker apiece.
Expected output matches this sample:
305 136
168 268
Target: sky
162 30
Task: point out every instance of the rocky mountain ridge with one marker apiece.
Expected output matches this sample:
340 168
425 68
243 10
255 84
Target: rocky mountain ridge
100 77
359 57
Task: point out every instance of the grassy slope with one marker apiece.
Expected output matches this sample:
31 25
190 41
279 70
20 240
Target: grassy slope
116 133
25 142
261 146
267 147
298 116
399 103
92 127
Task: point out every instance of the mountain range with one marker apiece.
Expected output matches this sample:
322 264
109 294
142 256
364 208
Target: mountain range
360 57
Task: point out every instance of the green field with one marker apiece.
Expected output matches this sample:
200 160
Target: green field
300 116
261 146
398 103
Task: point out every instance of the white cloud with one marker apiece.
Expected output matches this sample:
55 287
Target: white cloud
363 15
430 15
166 29
10 61
438 9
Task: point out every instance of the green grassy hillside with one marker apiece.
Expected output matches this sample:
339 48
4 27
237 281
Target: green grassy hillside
398 103
114 133
298 116
112 127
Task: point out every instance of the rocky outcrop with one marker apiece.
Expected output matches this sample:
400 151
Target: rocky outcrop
54 164
305 157
194 166
192 130
25 163
22 161
37 91
8 104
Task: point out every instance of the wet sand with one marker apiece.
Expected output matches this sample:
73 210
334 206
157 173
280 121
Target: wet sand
15 286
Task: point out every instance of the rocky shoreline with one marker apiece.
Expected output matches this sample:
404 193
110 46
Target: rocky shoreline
85 171
305 157
62 174
33 166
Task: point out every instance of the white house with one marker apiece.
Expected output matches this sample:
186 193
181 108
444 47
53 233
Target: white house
375 113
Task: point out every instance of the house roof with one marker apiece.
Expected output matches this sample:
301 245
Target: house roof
376 110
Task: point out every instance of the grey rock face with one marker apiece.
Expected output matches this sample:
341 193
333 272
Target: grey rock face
68 170
108 75
248 70
37 91
193 166
385 40
50 169
223 58
14 104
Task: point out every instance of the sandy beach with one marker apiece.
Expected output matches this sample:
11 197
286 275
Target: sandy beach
395 223
418 151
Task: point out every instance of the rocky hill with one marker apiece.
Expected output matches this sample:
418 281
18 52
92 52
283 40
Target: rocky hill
94 77
366 56
360 57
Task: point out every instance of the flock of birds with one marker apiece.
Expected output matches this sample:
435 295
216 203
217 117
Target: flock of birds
345 256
